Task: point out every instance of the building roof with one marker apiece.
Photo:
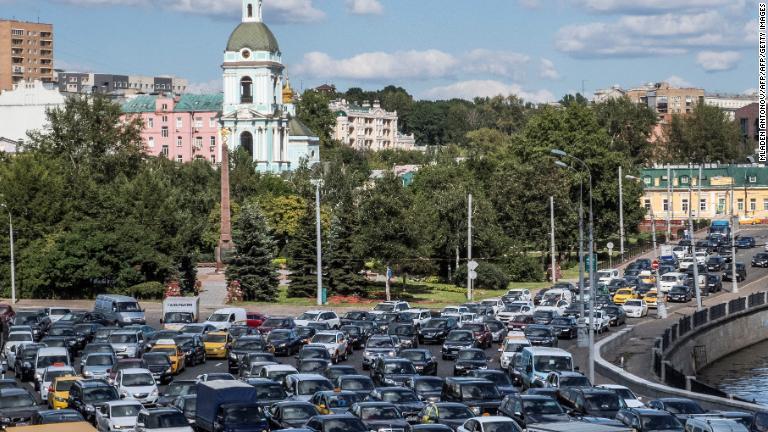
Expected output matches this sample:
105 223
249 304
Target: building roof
298 128
255 36
713 177
186 103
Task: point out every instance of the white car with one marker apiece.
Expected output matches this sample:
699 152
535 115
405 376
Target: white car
635 308
494 303
14 339
326 316
679 252
686 263
607 275
390 306
630 399
558 306
668 280
419 316
513 309
701 257
50 373
521 294
487 423
138 384
469 317
334 341
117 415
510 347
600 324
277 372
453 310
56 313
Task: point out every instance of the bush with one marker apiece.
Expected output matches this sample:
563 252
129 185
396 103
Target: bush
145 291
489 276
523 268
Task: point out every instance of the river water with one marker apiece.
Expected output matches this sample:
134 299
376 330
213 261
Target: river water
743 373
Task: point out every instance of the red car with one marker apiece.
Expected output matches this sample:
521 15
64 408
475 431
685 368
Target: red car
481 332
6 314
520 322
254 319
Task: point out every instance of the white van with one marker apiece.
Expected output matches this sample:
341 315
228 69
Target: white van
668 280
49 357
223 319
533 364
607 275
556 294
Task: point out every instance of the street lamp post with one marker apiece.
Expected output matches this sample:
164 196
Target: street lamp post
319 245
621 216
592 263
13 262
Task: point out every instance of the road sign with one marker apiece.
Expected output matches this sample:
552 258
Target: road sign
589 264
472 274
609 245
655 265
472 265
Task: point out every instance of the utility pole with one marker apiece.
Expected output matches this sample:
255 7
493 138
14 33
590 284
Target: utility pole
698 197
13 261
621 215
552 240
669 204
734 282
582 339
696 286
469 247
319 245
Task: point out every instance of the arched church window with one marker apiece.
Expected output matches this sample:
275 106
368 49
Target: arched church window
246 90
246 142
250 10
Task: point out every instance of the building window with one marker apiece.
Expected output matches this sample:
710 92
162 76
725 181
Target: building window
165 119
684 180
703 204
752 179
213 141
179 122
150 122
199 142
740 204
213 158
17 32
198 122
665 205
250 10
179 159
753 204
721 205
164 151
151 142
684 205
212 122
164 132
165 106
765 203
178 141
647 204
246 90
647 180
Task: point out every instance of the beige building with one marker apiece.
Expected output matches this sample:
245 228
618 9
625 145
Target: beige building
666 100
369 127
26 52
730 103
603 95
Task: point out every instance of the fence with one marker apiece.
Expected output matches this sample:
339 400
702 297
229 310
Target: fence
718 311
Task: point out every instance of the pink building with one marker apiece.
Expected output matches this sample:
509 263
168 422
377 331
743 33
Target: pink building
183 128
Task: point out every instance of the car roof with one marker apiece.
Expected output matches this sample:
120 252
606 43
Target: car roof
135 371
13 391
548 350
489 419
122 402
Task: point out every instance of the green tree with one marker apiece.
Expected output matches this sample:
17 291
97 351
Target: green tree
252 265
629 126
302 249
703 136
283 214
313 110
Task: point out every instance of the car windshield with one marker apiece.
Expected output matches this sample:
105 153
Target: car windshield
683 407
357 384
308 316
602 401
402 367
515 347
342 400
298 412
248 344
561 322
314 353
404 330
21 400
539 407
502 426
454 412
429 385
480 391
398 396
355 316
678 290
380 343
270 391
574 381
470 355
415 356
169 419
324 338
500 379
274 322
178 317
19 337
243 415
637 303
191 329
661 422
122 338
99 360
350 424
44 362
379 413
537 332
138 380
218 317
624 393
310 387
668 278
460 336
521 318
214 338
128 307
64 385
384 307
50 375
436 324
158 358
277 335
100 394
125 410
545 363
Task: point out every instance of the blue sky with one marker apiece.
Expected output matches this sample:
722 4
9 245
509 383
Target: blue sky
538 49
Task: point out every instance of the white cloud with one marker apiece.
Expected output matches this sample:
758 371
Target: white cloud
68 66
649 6
486 88
426 64
212 86
282 11
716 61
365 7
676 81
547 70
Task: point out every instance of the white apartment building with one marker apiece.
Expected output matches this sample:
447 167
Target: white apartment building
23 109
729 103
369 127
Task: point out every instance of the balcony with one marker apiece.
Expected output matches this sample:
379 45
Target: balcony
17 42
46 52
18 69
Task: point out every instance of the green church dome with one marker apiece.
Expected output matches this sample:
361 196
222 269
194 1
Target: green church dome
255 36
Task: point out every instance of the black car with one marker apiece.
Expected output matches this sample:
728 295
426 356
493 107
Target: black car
679 294
565 326
175 389
241 347
480 395
541 335
422 359
355 335
427 388
430 427
379 415
451 414
305 334
529 409
290 414
267 391
240 330
384 321
436 330
715 263
760 260
93 318
592 402
714 283
25 358
336 423
352 317
391 371
88 395
408 334
272 323
456 341
56 416
160 365
681 408
741 272
403 398
469 360
335 371
86 331
616 315
193 347
315 366
644 420
745 242
499 378
616 284
17 407
360 384
544 317
284 341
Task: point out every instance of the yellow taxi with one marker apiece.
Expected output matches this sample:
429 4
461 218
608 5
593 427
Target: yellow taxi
651 298
647 278
58 392
624 294
217 344
174 352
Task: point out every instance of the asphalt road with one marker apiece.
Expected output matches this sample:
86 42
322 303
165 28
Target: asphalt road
445 368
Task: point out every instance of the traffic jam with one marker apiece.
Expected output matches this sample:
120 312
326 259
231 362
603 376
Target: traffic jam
497 365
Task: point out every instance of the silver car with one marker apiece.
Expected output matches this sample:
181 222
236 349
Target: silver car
98 365
127 343
14 339
118 415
